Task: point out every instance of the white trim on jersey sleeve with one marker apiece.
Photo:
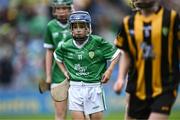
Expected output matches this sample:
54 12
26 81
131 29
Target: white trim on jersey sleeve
115 54
56 58
46 45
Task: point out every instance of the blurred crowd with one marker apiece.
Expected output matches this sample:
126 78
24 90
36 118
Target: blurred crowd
22 28
22 25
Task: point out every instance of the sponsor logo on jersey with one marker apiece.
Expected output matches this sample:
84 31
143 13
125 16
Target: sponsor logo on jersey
81 70
147 30
147 51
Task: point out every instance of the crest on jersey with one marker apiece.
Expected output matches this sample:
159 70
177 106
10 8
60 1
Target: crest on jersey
165 31
91 54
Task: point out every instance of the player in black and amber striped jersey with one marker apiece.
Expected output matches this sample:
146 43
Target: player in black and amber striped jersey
150 41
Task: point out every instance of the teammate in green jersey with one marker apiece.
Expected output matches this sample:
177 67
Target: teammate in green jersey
85 58
57 31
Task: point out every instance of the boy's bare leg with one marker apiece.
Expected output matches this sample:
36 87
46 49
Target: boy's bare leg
87 117
126 117
60 110
96 116
158 116
77 115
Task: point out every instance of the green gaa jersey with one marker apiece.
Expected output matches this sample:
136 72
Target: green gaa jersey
88 62
56 33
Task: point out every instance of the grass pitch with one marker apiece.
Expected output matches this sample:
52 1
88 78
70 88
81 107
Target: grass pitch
175 115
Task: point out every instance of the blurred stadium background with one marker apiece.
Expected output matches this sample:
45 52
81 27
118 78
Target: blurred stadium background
22 25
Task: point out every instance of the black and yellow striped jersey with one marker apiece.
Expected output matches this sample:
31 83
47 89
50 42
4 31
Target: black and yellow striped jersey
153 46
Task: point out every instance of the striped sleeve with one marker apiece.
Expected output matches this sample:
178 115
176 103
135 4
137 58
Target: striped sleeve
48 43
58 54
121 38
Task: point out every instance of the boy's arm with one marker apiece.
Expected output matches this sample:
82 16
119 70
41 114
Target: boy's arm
108 72
44 85
48 64
124 64
58 56
63 69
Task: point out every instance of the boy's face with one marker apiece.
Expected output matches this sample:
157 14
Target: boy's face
61 12
80 29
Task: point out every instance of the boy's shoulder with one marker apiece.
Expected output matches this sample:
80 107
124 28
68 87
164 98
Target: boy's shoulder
52 22
67 43
96 38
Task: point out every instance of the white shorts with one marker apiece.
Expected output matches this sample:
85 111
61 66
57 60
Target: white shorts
86 97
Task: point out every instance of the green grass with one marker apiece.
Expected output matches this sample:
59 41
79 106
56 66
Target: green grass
175 115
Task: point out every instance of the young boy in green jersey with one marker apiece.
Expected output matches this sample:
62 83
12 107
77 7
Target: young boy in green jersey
83 61
57 31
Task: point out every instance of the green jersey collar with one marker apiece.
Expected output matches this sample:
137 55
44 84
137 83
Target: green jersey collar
80 46
62 25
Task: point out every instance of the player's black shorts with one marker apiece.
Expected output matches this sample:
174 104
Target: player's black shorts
141 109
